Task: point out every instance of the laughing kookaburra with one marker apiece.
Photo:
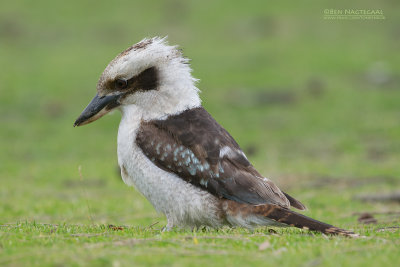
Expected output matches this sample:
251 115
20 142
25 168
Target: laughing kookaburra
173 151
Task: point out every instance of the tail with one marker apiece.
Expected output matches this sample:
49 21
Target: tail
285 216
298 220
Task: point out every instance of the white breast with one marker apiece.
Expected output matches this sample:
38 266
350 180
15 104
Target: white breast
181 202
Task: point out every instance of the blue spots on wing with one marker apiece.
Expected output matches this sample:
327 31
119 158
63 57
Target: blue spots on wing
181 159
221 170
187 161
192 170
203 182
158 148
185 153
206 166
184 157
176 151
195 160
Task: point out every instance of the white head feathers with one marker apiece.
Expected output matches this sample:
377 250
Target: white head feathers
176 90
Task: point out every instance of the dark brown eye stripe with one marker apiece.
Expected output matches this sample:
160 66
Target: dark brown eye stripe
145 81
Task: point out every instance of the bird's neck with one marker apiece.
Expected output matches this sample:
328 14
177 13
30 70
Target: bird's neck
163 104
177 92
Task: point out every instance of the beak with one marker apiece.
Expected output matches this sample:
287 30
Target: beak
97 108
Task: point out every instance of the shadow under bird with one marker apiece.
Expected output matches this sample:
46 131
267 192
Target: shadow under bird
173 151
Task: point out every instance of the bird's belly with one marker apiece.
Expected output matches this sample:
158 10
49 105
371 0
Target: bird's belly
182 202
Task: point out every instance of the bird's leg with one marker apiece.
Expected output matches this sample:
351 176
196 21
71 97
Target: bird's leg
169 225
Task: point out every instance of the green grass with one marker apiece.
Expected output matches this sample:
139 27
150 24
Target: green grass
38 244
314 103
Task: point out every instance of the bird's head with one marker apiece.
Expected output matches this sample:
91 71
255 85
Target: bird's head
150 76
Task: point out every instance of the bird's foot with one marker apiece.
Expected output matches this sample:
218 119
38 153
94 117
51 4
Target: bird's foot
166 229
169 226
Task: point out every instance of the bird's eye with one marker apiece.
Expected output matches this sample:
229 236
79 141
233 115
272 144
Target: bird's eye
121 84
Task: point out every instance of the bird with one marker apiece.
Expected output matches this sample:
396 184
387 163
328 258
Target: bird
177 155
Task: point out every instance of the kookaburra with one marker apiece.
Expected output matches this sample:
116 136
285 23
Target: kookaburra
173 151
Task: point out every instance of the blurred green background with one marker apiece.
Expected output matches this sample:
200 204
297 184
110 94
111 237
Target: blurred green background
314 103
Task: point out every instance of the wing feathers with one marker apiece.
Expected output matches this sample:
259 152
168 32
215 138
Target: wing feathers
294 202
196 148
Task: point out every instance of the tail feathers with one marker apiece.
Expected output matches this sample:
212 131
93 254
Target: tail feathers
298 220
281 216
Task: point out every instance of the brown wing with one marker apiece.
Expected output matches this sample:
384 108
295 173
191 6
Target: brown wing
196 148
